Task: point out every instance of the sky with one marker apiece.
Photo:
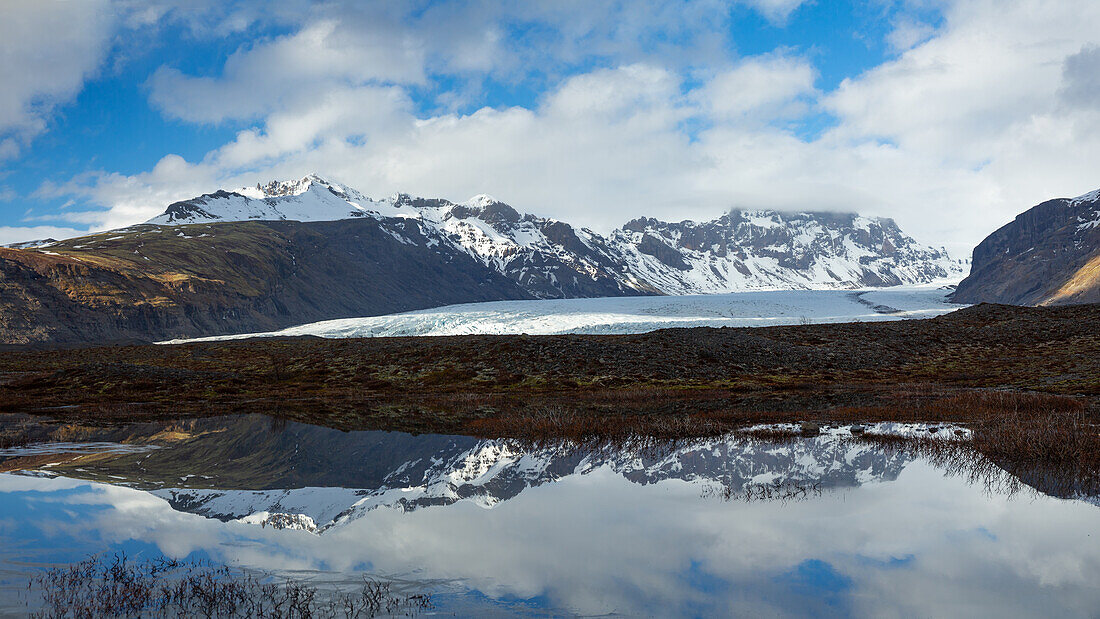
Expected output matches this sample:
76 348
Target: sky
951 116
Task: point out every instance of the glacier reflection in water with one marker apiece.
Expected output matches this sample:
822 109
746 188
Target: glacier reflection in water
490 526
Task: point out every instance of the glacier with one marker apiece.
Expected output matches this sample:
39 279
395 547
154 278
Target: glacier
626 315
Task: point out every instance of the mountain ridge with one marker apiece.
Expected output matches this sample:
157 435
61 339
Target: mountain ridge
150 281
1047 255
283 253
740 250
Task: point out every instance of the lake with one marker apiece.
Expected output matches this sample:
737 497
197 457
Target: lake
823 525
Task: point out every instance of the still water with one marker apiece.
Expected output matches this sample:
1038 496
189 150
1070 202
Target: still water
730 526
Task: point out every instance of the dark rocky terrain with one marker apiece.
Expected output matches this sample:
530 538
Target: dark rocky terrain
442 384
1049 255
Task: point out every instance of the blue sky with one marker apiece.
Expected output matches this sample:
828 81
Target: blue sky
949 116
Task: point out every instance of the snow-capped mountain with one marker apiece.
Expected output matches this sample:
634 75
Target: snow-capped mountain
742 250
547 258
766 249
309 199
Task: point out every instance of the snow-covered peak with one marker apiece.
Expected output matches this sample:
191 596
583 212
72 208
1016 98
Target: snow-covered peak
1091 196
311 198
764 249
278 189
481 200
1088 215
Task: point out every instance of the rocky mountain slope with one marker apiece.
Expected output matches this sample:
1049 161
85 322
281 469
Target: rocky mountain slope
549 259
1048 255
745 250
149 281
269 256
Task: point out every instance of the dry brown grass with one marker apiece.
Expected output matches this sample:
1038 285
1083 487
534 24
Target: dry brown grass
545 425
1046 440
118 587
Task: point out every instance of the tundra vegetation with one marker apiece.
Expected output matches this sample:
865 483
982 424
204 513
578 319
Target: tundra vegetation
1025 380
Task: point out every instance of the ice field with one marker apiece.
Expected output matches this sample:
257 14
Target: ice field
617 315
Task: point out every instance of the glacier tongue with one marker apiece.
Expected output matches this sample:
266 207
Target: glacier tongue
739 251
623 315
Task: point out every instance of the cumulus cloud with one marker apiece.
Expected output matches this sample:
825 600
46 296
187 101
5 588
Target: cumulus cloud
348 44
1081 78
908 32
764 86
281 73
209 18
953 135
47 49
979 103
131 198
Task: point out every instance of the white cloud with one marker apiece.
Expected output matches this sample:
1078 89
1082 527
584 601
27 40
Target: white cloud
47 48
1081 78
367 113
209 18
765 86
134 198
979 103
278 74
955 135
776 11
614 93
349 44
19 234
596 129
907 33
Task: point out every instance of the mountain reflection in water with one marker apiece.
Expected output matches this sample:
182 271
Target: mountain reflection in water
491 525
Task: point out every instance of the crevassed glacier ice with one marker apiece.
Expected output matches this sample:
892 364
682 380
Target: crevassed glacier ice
622 315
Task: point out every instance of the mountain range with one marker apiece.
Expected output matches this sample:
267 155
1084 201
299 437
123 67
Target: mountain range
284 253
741 250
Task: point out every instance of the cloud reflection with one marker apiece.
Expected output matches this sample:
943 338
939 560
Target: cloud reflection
924 544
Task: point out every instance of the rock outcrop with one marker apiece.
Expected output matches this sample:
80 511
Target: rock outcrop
1048 255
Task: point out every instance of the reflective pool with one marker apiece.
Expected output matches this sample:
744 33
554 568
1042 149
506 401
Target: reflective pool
729 526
